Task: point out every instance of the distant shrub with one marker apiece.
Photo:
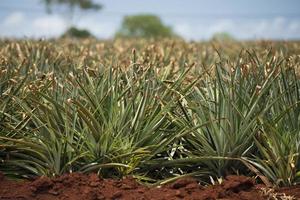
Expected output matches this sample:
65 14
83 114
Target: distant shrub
222 37
74 32
147 26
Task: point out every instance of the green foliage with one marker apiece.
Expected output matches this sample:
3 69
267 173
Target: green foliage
145 108
74 32
82 4
222 37
279 138
147 26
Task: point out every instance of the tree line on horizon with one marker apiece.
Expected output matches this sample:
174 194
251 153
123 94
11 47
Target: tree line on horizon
133 26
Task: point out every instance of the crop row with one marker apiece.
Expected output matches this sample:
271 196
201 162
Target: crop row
157 110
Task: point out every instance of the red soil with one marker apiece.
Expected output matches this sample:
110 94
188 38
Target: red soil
90 187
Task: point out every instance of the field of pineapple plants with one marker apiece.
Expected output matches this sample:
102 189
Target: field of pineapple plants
113 114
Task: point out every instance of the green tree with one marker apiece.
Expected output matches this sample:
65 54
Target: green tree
222 37
72 4
144 26
74 32
83 5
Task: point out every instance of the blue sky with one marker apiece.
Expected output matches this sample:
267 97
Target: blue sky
192 19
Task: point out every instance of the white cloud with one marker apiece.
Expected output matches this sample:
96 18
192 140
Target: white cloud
183 29
49 26
13 19
276 28
98 26
225 25
294 26
19 24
